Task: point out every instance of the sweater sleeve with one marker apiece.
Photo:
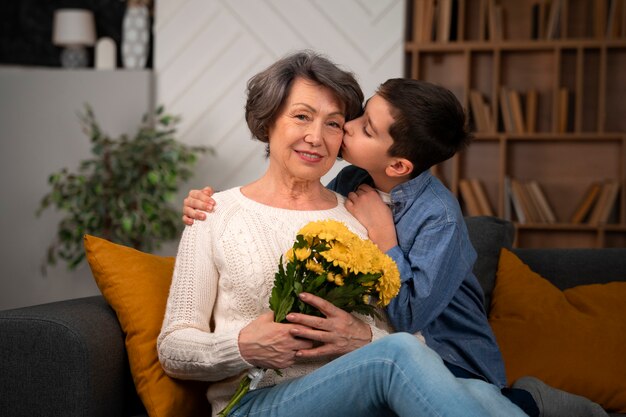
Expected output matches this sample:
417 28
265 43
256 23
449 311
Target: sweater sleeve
188 347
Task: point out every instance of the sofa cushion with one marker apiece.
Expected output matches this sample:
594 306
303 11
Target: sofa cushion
488 235
136 286
573 339
55 362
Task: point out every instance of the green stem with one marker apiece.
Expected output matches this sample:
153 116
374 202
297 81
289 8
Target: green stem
244 387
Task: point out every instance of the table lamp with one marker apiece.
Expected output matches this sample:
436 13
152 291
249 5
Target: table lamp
73 29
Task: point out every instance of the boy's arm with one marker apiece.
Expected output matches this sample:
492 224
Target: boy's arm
431 272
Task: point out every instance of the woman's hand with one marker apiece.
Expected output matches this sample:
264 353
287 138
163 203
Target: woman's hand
369 209
271 345
197 200
339 332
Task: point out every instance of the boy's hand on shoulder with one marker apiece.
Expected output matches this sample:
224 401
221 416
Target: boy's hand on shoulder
197 200
369 209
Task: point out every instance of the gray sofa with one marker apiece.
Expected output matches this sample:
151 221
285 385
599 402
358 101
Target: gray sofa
68 358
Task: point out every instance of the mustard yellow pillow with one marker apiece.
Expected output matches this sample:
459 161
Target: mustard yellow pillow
574 340
136 285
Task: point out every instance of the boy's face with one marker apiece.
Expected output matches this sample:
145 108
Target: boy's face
366 139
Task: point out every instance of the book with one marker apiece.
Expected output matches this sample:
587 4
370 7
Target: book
586 203
494 14
537 214
531 111
607 209
483 19
481 197
488 117
472 207
606 200
500 26
544 206
428 21
554 17
519 206
444 19
418 19
507 214
613 19
505 108
533 214
478 111
515 104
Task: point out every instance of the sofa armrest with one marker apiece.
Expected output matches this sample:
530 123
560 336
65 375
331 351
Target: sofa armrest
63 359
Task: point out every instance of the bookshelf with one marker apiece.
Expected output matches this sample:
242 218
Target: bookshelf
544 83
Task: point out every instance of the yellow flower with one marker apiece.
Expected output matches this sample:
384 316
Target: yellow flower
313 266
339 255
302 254
352 255
388 284
328 230
365 259
339 280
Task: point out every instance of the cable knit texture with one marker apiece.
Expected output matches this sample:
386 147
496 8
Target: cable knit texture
234 253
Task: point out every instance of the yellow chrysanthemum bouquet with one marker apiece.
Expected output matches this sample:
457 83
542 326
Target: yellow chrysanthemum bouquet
330 261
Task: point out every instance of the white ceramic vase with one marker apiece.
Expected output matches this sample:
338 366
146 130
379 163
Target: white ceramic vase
135 37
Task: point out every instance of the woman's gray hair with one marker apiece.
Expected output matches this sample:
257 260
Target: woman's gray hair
268 89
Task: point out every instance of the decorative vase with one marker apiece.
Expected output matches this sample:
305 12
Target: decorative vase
135 36
105 54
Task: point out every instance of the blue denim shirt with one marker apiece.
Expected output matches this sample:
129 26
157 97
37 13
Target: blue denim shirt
439 296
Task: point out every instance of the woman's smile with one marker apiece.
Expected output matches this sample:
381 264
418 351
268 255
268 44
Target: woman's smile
309 156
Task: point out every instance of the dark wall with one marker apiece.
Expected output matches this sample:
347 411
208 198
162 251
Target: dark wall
26 29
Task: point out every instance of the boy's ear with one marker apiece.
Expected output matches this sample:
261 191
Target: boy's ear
399 167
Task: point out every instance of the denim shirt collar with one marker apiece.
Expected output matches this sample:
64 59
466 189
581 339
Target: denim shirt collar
408 192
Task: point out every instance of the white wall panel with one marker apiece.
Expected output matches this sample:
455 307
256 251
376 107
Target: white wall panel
40 133
206 50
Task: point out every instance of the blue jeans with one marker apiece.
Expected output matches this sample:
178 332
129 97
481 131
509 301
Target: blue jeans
394 376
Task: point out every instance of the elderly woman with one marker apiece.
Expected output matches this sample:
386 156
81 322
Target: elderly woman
218 324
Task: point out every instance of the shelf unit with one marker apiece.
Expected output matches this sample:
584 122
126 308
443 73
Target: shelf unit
564 155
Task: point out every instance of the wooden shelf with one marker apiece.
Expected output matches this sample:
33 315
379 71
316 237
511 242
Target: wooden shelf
513 46
572 227
570 135
547 136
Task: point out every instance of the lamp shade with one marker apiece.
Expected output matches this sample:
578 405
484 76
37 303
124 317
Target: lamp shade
73 27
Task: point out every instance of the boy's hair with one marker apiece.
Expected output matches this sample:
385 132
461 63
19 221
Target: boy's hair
430 124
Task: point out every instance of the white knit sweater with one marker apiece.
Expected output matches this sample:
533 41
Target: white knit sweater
222 281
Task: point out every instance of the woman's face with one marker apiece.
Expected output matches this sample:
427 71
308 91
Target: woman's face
305 137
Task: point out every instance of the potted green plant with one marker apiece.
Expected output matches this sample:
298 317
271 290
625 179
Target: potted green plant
124 192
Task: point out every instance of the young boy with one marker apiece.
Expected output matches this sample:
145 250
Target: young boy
407 127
